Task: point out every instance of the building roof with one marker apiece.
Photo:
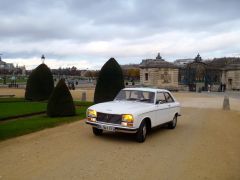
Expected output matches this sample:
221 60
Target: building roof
182 62
224 63
157 63
2 62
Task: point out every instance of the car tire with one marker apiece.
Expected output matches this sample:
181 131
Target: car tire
173 123
97 131
142 132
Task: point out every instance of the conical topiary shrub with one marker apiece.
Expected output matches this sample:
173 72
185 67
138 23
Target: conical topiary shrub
60 102
109 83
40 84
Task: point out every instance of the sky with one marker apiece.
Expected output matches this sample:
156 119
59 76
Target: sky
86 33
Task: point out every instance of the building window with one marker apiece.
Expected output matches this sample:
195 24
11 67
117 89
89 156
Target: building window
146 76
230 82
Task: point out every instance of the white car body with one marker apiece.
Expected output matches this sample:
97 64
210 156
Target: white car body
155 113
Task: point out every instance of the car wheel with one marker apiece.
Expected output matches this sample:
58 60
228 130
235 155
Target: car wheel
173 123
97 131
142 132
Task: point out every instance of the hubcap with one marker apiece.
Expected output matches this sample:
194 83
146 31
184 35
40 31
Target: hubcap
144 131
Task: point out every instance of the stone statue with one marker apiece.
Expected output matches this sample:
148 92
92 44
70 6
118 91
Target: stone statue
158 56
198 58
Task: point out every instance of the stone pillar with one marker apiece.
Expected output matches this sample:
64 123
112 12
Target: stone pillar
226 104
84 96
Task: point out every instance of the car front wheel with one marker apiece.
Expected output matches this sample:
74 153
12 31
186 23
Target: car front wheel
142 132
97 131
173 123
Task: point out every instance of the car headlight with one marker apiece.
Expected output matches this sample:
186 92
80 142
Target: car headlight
92 115
127 120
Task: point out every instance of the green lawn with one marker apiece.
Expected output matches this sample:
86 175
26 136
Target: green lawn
11 99
13 128
11 109
18 79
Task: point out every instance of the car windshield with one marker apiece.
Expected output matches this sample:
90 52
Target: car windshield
135 95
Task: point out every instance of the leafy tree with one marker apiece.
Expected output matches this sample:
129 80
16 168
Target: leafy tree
110 82
40 84
60 102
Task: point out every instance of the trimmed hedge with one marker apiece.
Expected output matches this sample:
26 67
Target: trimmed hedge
109 83
60 102
40 84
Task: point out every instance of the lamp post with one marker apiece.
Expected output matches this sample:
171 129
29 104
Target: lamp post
4 72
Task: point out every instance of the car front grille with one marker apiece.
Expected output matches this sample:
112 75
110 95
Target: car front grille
109 118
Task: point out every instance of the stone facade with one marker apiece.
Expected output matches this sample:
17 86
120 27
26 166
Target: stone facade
159 73
229 69
232 79
219 74
159 77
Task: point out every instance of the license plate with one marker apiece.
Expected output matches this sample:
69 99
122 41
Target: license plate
106 127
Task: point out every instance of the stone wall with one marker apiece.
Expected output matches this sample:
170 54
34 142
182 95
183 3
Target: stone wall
168 78
159 77
233 79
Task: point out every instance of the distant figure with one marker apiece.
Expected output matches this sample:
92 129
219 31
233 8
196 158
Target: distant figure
209 87
221 87
72 86
224 87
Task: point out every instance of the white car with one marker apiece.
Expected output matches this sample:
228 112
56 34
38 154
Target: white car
135 110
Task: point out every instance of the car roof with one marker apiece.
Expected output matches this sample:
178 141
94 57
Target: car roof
147 89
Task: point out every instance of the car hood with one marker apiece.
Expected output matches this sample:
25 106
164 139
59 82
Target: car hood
121 107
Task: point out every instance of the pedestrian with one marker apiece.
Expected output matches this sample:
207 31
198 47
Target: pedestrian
209 87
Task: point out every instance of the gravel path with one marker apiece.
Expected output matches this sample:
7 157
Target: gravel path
205 145
207 100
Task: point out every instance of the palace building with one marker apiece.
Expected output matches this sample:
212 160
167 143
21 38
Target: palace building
4 65
219 74
9 68
159 73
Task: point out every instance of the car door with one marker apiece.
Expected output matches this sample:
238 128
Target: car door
161 109
171 107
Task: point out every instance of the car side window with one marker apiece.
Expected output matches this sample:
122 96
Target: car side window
134 95
160 99
169 98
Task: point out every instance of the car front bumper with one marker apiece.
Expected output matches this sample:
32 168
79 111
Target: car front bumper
118 128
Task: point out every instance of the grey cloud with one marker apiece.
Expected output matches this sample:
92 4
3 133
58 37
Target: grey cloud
155 15
159 13
84 21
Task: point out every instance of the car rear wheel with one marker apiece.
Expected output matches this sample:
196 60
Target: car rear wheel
173 123
142 132
97 131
